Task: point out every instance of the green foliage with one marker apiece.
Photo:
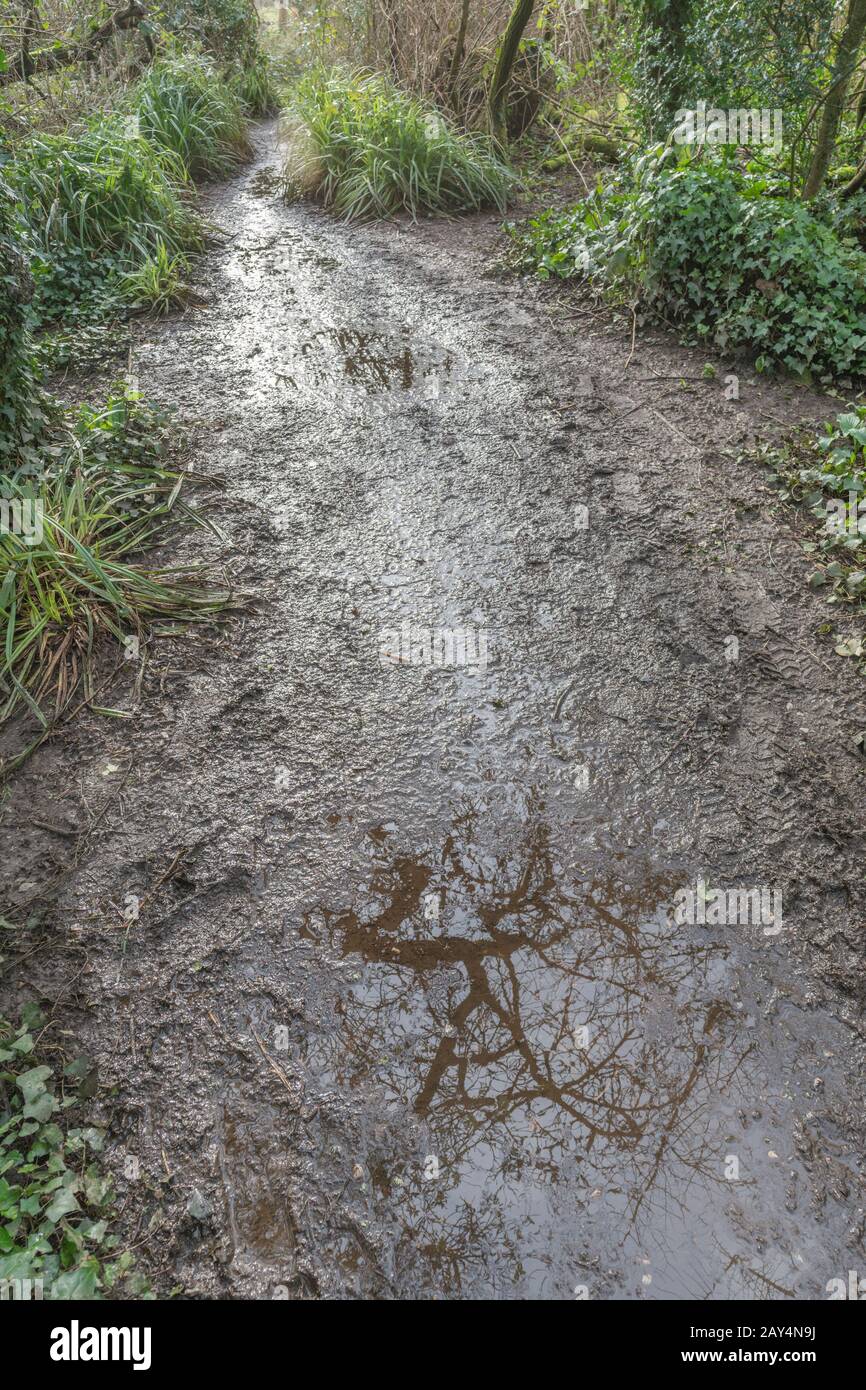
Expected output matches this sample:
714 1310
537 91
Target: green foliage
664 61
86 347
56 1201
226 29
728 53
827 475
94 207
109 494
24 408
760 53
256 85
707 248
158 284
187 110
106 219
368 149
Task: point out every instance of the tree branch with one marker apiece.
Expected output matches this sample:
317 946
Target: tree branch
82 51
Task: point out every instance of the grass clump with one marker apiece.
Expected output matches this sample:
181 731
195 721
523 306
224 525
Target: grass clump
184 107
159 283
700 245
368 149
256 86
56 1200
66 576
94 208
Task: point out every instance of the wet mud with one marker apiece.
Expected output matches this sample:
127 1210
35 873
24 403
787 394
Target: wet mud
403 1007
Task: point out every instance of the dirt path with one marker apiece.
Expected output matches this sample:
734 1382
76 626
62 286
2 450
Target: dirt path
405 1012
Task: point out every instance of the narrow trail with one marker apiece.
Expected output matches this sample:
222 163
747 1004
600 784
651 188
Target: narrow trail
405 1012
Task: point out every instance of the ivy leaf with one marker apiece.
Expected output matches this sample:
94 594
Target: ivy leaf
65 1202
77 1283
42 1108
32 1083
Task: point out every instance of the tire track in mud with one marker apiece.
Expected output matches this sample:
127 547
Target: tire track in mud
411 1015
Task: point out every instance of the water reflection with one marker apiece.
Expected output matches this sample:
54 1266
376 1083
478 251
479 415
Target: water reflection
371 362
548 1031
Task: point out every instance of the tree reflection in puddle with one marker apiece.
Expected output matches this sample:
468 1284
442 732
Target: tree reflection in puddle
547 1032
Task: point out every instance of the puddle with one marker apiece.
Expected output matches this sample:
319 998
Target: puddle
370 362
561 1045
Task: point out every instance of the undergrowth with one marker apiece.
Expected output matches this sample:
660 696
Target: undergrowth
25 409
57 1203
368 149
184 106
93 209
256 84
68 576
92 224
827 476
106 216
717 252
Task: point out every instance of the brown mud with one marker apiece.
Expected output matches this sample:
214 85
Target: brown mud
405 1011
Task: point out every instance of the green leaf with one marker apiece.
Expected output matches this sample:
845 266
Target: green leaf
42 1108
77 1283
65 1202
32 1083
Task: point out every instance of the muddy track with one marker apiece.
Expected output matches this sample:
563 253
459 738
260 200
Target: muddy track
405 1011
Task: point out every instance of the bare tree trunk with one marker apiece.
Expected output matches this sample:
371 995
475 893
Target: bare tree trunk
843 67
390 8
31 27
505 56
459 49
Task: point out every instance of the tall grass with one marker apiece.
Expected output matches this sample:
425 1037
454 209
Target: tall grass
106 218
97 206
255 83
368 149
68 580
185 107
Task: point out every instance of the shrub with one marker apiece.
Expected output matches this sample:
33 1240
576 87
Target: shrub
708 249
185 107
227 29
367 149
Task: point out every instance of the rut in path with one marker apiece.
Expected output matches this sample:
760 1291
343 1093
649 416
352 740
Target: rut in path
411 1015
